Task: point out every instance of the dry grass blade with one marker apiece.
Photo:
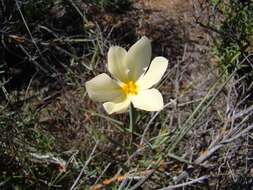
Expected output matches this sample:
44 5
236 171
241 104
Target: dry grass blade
84 167
183 185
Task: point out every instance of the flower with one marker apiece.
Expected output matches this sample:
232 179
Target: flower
134 76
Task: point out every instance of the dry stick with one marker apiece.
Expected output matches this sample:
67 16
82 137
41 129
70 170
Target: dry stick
34 42
223 142
7 48
84 167
29 84
198 180
216 147
101 175
203 157
142 181
238 135
207 25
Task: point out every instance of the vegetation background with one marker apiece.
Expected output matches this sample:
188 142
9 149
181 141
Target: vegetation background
52 136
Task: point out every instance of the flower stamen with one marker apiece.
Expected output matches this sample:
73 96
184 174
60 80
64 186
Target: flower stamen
130 88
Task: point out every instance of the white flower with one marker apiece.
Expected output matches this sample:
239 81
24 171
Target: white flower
134 75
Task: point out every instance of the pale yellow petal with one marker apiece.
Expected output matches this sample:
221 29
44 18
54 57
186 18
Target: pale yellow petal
116 65
154 73
138 58
117 106
102 88
148 100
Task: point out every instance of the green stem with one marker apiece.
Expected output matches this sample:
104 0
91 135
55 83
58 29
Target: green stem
132 120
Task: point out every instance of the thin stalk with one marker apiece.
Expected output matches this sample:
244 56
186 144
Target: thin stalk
132 121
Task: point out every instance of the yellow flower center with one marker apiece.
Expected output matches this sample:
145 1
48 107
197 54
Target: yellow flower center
130 88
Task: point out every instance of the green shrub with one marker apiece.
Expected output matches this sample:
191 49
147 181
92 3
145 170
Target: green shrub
236 33
113 5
